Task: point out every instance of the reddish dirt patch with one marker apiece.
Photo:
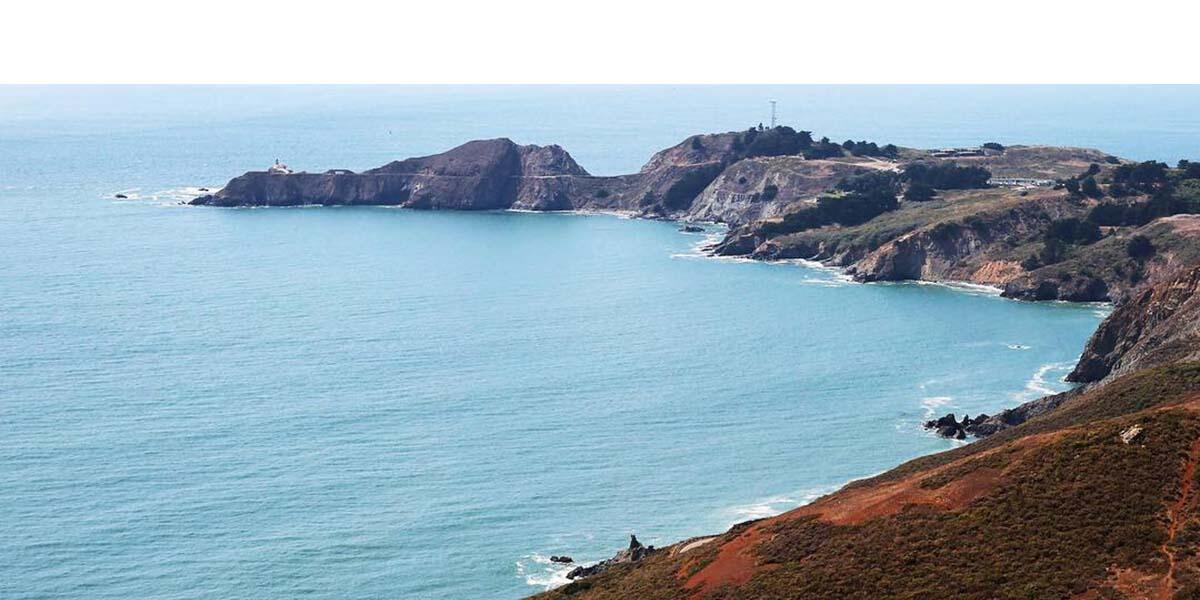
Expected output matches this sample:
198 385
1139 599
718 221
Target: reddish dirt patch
735 564
859 506
997 272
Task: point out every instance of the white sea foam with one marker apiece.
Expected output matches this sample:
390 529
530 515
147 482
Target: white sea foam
538 570
966 287
1048 379
167 197
774 505
931 404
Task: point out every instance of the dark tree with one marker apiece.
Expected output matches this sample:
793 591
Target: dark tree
1073 231
769 192
1090 188
1139 247
1052 252
1144 176
947 176
994 146
1189 169
918 192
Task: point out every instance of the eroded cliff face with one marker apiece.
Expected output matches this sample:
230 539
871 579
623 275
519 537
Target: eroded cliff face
971 249
761 187
478 175
1156 326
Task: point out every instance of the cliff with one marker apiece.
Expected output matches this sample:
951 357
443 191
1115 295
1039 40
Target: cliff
1158 325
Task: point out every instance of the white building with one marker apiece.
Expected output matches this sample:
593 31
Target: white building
279 169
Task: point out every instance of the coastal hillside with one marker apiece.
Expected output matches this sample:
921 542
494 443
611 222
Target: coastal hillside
1093 493
1040 222
1097 499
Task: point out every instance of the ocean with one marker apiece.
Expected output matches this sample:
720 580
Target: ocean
384 403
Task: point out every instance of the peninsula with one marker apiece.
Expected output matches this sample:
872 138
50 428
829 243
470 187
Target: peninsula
1042 223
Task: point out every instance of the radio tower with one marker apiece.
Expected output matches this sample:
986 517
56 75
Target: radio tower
772 113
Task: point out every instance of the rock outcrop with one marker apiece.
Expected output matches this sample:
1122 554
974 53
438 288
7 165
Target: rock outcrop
634 553
949 426
1159 325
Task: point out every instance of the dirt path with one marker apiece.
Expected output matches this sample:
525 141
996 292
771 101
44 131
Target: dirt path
1177 514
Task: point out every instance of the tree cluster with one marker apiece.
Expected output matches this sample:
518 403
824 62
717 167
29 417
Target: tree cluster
865 148
946 176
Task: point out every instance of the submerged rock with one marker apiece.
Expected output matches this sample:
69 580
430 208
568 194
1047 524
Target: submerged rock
689 228
122 196
561 559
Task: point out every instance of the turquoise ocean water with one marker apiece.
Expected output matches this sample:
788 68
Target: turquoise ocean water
381 403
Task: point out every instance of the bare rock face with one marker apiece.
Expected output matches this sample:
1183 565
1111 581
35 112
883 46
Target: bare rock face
757 188
960 249
720 148
1159 325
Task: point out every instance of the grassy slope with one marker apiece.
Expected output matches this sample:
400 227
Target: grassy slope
1056 507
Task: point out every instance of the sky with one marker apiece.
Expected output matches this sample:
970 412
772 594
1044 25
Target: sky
616 41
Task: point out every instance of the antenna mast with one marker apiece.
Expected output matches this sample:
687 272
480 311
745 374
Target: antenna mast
772 113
